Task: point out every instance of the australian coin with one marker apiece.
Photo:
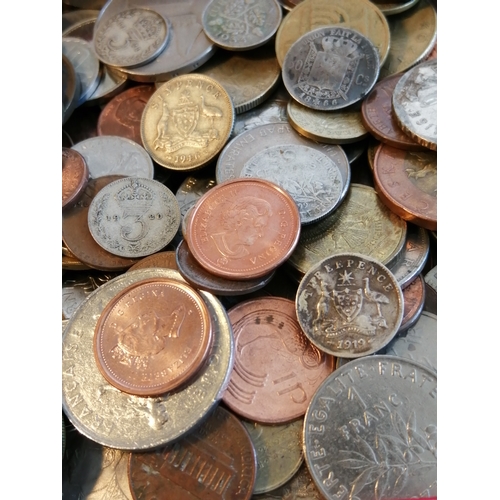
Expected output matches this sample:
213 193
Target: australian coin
277 369
406 182
360 15
338 127
414 299
371 431
349 305
70 89
431 278
187 122
123 421
217 460
158 259
134 217
243 228
75 175
241 25
112 155
152 337
414 102
132 37
330 68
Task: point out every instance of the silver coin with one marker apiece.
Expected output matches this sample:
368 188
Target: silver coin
270 111
112 155
241 25
349 305
330 68
413 257
76 17
119 420
414 102
371 431
85 63
431 278
70 89
134 217
130 38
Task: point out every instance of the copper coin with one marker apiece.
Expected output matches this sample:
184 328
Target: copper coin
277 369
378 116
76 234
217 461
406 183
244 228
160 259
152 337
413 303
122 115
75 175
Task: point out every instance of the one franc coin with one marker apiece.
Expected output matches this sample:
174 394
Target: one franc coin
349 305
330 68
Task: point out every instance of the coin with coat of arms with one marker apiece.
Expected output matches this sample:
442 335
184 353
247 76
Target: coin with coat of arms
187 122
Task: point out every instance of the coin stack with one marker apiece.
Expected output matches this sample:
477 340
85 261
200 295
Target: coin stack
249 249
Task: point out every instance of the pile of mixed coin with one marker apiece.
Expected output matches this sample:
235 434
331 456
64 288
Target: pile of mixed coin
249 230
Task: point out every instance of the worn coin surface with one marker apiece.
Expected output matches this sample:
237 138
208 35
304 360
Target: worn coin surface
75 175
187 122
134 217
217 460
239 24
131 38
123 421
330 68
70 89
277 369
243 228
349 305
371 431
159 259
414 299
414 102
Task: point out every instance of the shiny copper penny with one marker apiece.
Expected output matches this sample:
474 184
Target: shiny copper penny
217 461
75 175
413 303
243 228
277 369
76 234
160 259
122 115
152 337
406 182
378 116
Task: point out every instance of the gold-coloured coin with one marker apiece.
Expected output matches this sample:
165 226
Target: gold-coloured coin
360 15
333 127
390 8
187 122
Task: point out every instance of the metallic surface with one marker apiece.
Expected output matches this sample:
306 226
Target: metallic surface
271 111
70 89
119 420
243 228
371 431
75 175
276 370
414 299
431 278
349 305
159 259
187 122
389 8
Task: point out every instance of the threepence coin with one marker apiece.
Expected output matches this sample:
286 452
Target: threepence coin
75 175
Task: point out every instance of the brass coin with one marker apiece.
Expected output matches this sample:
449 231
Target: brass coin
187 122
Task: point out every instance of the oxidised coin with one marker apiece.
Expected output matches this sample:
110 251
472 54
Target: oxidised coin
330 68
414 299
75 176
134 217
159 259
349 305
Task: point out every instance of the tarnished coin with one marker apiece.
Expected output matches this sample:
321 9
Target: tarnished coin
406 182
159 259
349 305
330 68
131 38
279 453
70 89
122 115
75 175
134 217
414 102
117 419
217 460
371 431
276 370
243 228
414 299
111 155
241 25
338 127
152 337
187 122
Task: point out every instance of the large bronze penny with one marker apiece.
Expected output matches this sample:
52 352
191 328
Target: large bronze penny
75 175
217 461
277 369
243 228
152 337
